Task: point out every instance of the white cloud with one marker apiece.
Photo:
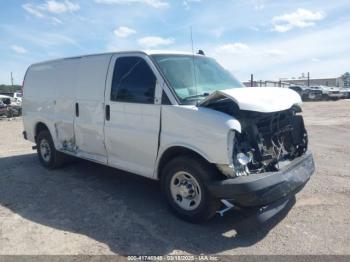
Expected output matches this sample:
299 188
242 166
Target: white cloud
124 31
154 41
275 58
186 3
217 32
275 52
254 28
31 9
19 49
56 21
234 48
44 10
55 7
153 3
301 18
258 5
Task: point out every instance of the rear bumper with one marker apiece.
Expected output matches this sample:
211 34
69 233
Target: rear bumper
266 188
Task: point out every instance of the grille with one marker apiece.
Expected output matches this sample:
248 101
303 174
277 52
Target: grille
274 123
316 92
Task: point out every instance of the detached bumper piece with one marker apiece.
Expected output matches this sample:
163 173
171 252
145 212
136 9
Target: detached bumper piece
263 189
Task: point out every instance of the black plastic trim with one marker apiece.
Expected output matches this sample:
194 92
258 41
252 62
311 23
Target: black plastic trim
266 188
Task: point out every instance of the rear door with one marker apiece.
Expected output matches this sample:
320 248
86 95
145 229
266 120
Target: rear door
132 125
89 107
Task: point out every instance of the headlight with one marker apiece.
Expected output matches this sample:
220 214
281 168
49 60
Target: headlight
243 159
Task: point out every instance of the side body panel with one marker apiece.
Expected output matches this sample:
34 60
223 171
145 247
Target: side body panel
200 129
89 125
49 95
132 133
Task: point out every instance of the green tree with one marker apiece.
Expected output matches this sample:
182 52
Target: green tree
9 88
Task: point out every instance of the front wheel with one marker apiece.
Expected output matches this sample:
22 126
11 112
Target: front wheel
184 183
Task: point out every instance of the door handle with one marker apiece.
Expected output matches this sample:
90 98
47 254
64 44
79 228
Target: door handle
76 109
108 112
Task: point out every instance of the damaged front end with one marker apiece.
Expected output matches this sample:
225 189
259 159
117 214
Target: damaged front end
268 141
269 156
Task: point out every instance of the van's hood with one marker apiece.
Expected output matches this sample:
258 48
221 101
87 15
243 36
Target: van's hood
259 99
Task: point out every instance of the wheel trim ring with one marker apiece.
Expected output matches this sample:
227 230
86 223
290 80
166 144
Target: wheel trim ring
179 194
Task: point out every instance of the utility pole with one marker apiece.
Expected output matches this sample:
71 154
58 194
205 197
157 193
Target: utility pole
308 78
11 80
251 80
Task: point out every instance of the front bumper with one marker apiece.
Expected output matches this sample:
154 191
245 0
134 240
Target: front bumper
335 95
314 96
265 188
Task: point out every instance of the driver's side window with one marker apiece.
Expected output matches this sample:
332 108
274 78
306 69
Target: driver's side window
133 81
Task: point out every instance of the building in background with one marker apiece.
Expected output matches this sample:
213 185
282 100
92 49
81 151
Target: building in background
266 83
342 81
313 81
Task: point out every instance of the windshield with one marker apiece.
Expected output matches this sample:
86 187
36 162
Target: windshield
194 77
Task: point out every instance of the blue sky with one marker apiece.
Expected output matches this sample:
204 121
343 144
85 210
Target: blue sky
270 38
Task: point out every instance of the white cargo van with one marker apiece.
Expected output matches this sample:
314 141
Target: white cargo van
174 117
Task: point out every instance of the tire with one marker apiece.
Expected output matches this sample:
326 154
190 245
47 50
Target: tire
9 113
48 155
181 175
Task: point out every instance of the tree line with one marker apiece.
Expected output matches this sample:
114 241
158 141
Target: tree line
10 88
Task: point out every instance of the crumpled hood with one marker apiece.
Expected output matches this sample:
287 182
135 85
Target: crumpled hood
259 99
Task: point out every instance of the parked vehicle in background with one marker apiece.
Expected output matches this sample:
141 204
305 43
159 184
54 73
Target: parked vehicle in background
345 93
328 93
333 93
18 97
13 107
306 93
204 136
3 109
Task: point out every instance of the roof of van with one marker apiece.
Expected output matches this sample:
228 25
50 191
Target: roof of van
147 52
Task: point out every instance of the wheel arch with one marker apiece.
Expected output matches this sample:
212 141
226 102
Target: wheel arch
174 151
40 126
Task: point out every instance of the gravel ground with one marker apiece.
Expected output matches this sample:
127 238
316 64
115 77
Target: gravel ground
86 208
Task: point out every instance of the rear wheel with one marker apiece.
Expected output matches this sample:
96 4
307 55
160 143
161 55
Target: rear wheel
48 155
184 183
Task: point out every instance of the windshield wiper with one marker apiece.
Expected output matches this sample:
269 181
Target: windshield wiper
197 96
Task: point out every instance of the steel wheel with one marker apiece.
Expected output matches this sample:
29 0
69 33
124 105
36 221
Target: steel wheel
185 190
45 150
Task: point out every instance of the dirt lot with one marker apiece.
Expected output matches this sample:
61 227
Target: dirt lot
86 208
